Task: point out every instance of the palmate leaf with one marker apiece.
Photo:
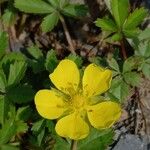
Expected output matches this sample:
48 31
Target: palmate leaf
3 43
120 10
135 18
132 78
119 89
106 24
75 10
50 22
131 33
34 6
16 72
97 140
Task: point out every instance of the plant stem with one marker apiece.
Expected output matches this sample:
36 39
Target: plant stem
123 50
74 145
68 37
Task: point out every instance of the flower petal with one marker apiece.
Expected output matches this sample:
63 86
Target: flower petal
66 76
96 80
48 104
104 115
73 127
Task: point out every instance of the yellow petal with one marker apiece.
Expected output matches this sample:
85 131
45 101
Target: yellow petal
66 76
96 80
73 127
48 104
104 115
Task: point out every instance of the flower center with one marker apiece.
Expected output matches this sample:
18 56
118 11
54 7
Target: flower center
78 101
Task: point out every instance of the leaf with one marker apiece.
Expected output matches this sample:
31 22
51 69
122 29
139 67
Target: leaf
25 94
135 18
97 140
106 24
131 63
51 61
146 70
116 37
63 3
16 72
3 82
8 147
21 127
143 49
3 109
120 10
113 64
3 43
75 10
33 6
7 132
24 113
132 78
60 143
119 89
35 52
54 3
37 126
9 17
77 59
49 22
145 35
131 33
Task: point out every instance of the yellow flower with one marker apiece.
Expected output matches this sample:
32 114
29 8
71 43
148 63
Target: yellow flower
71 102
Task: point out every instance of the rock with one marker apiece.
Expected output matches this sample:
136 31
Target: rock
132 142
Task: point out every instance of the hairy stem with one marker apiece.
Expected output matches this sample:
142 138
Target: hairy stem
123 50
74 145
68 37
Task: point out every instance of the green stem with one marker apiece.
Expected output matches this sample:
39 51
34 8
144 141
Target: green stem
74 145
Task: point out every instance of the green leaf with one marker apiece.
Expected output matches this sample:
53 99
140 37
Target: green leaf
131 63
113 64
135 18
35 52
16 72
119 89
131 33
54 3
51 60
106 24
3 43
145 35
50 21
3 109
37 126
77 59
3 82
9 17
24 113
132 78
25 94
116 37
146 70
120 10
21 127
60 143
8 147
97 140
33 6
7 132
143 49
75 10
63 3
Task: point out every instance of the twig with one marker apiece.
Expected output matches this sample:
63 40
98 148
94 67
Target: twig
68 37
123 50
74 145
